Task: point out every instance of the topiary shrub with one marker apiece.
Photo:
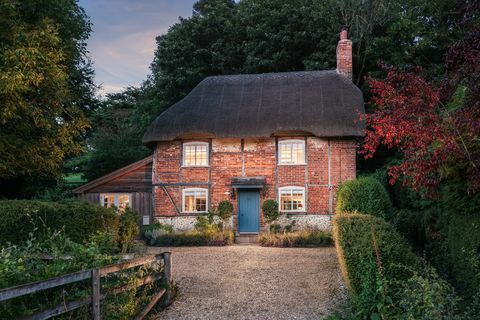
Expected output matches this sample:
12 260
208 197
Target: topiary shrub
78 218
270 210
365 195
224 210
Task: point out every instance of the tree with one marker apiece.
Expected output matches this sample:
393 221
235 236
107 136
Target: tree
46 88
118 127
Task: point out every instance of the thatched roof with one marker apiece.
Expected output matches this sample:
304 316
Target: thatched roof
322 103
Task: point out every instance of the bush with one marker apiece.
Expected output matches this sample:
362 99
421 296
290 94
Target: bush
224 210
301 238
270 210
386 279
78 218
365 195
206 233
463 241
25 263
128 229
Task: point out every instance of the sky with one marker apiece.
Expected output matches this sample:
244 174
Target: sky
122 42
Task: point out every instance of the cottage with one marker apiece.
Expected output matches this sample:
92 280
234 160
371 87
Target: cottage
247 138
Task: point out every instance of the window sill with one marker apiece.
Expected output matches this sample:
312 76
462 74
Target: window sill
193 213
292 164
293 212
195 167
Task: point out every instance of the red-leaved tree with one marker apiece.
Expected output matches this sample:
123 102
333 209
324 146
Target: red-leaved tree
435 128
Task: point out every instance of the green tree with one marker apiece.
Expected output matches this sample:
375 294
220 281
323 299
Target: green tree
46 89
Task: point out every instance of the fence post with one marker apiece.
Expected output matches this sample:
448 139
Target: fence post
167 263
96 294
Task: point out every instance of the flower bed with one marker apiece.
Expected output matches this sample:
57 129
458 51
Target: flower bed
302 238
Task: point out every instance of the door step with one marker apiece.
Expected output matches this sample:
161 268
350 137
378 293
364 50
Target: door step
246 238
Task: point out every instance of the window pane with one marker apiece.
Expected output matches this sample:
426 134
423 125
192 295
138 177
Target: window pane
189 155
291 200
123 201
189 203
108 200
201 156
292 152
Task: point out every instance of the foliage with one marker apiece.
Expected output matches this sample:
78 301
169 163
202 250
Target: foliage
463 243
440 142
78 218
27 262
46 88
270 210
386 279
365 195
206 233
301 238
224 210
117 129
128 229
275 228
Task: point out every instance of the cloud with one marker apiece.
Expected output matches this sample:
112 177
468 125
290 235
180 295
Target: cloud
122 43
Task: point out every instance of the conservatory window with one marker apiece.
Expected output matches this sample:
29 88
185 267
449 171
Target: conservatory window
195 154
292 199
194 200
291 152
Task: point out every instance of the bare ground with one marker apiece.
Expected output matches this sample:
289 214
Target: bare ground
252 282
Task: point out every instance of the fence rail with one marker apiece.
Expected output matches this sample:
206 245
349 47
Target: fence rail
165 259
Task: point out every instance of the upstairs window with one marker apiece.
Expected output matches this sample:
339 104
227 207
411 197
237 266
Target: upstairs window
292 199
194 200
291 152
195 154
119 200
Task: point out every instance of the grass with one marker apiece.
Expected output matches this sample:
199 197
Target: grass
302 238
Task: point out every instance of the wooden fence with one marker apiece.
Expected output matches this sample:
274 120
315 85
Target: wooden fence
164 259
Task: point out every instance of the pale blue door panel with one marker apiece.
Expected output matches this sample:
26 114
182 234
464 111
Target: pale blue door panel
248 210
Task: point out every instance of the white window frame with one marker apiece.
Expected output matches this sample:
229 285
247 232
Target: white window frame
194 189
195 143
291 141
304 209
116 196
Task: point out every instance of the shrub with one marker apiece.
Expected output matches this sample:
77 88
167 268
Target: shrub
387 280
365 195
270 210
301 238
463 242
275 228
128 229
78 218
206 233
224 210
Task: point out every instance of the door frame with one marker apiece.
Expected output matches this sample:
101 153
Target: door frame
257 191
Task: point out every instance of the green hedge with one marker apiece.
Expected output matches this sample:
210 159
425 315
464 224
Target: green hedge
301 238
355 237
463 241
365 195
387 280
78 218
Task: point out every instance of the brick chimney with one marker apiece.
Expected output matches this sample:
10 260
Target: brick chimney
344 55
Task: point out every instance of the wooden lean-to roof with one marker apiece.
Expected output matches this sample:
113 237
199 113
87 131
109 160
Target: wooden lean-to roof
134 177
321 103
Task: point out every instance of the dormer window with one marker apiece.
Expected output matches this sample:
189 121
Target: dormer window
195 154
291 152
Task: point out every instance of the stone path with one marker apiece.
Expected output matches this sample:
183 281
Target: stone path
252 282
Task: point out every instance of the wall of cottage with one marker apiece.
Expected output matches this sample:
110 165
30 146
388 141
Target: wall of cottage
329 162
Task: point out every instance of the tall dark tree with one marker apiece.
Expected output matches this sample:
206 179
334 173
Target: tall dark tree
46 90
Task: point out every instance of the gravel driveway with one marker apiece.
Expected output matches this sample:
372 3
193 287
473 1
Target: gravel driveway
252 282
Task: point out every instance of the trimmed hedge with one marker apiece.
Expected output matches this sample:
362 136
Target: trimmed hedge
387 280
78 218
365 195
301 238
356 238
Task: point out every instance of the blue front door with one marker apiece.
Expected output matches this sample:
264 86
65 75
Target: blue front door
248 210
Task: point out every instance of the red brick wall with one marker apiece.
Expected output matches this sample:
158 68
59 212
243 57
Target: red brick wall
253 157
